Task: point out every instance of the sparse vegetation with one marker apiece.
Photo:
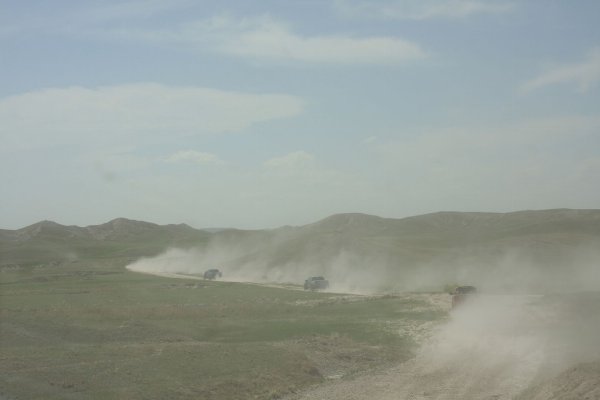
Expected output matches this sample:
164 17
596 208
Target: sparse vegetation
97 331
76 324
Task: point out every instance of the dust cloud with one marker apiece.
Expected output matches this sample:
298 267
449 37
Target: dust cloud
497 346
500 347
195 262
273 260
534 317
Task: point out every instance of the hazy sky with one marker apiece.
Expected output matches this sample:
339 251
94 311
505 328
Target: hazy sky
257 114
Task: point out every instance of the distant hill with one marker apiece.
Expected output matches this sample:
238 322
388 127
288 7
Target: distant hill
353 249
421 235
50 242
496 249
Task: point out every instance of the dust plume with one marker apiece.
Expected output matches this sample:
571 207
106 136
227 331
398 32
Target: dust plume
497 346
275 258
535 315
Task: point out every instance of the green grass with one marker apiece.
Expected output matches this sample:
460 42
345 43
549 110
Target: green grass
97 331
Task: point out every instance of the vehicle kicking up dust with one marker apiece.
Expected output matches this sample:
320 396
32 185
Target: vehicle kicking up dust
212 274
316 283
493 347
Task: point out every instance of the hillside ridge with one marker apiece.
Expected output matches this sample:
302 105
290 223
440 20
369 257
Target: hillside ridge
122 223
351 240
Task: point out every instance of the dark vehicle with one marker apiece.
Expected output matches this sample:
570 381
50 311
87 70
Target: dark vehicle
462 293
212 274
316 283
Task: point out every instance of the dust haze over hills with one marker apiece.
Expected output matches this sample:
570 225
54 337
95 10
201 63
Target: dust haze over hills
537 342
528 251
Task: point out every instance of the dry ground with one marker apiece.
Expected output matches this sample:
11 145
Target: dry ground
496 347
91 332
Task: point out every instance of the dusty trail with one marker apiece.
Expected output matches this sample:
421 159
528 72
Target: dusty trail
416 380
287 286
164 274
494 348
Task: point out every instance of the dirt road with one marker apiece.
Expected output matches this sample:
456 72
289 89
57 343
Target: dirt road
493 348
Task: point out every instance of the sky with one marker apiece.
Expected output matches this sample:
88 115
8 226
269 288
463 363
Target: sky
262 114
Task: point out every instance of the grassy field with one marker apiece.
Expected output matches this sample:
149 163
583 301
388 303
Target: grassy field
97 331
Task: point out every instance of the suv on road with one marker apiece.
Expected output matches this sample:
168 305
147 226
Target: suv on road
316 283
462 293
212 274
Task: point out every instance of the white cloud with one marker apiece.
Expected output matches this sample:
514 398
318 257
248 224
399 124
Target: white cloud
301 172
420 9
132 9
589 169
584 75
193 156
133 112
529 164
81 18
488 144
295 160
112 164
265 39
272 40
261 39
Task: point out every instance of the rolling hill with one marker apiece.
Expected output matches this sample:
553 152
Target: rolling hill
498 249
49 242
537 247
